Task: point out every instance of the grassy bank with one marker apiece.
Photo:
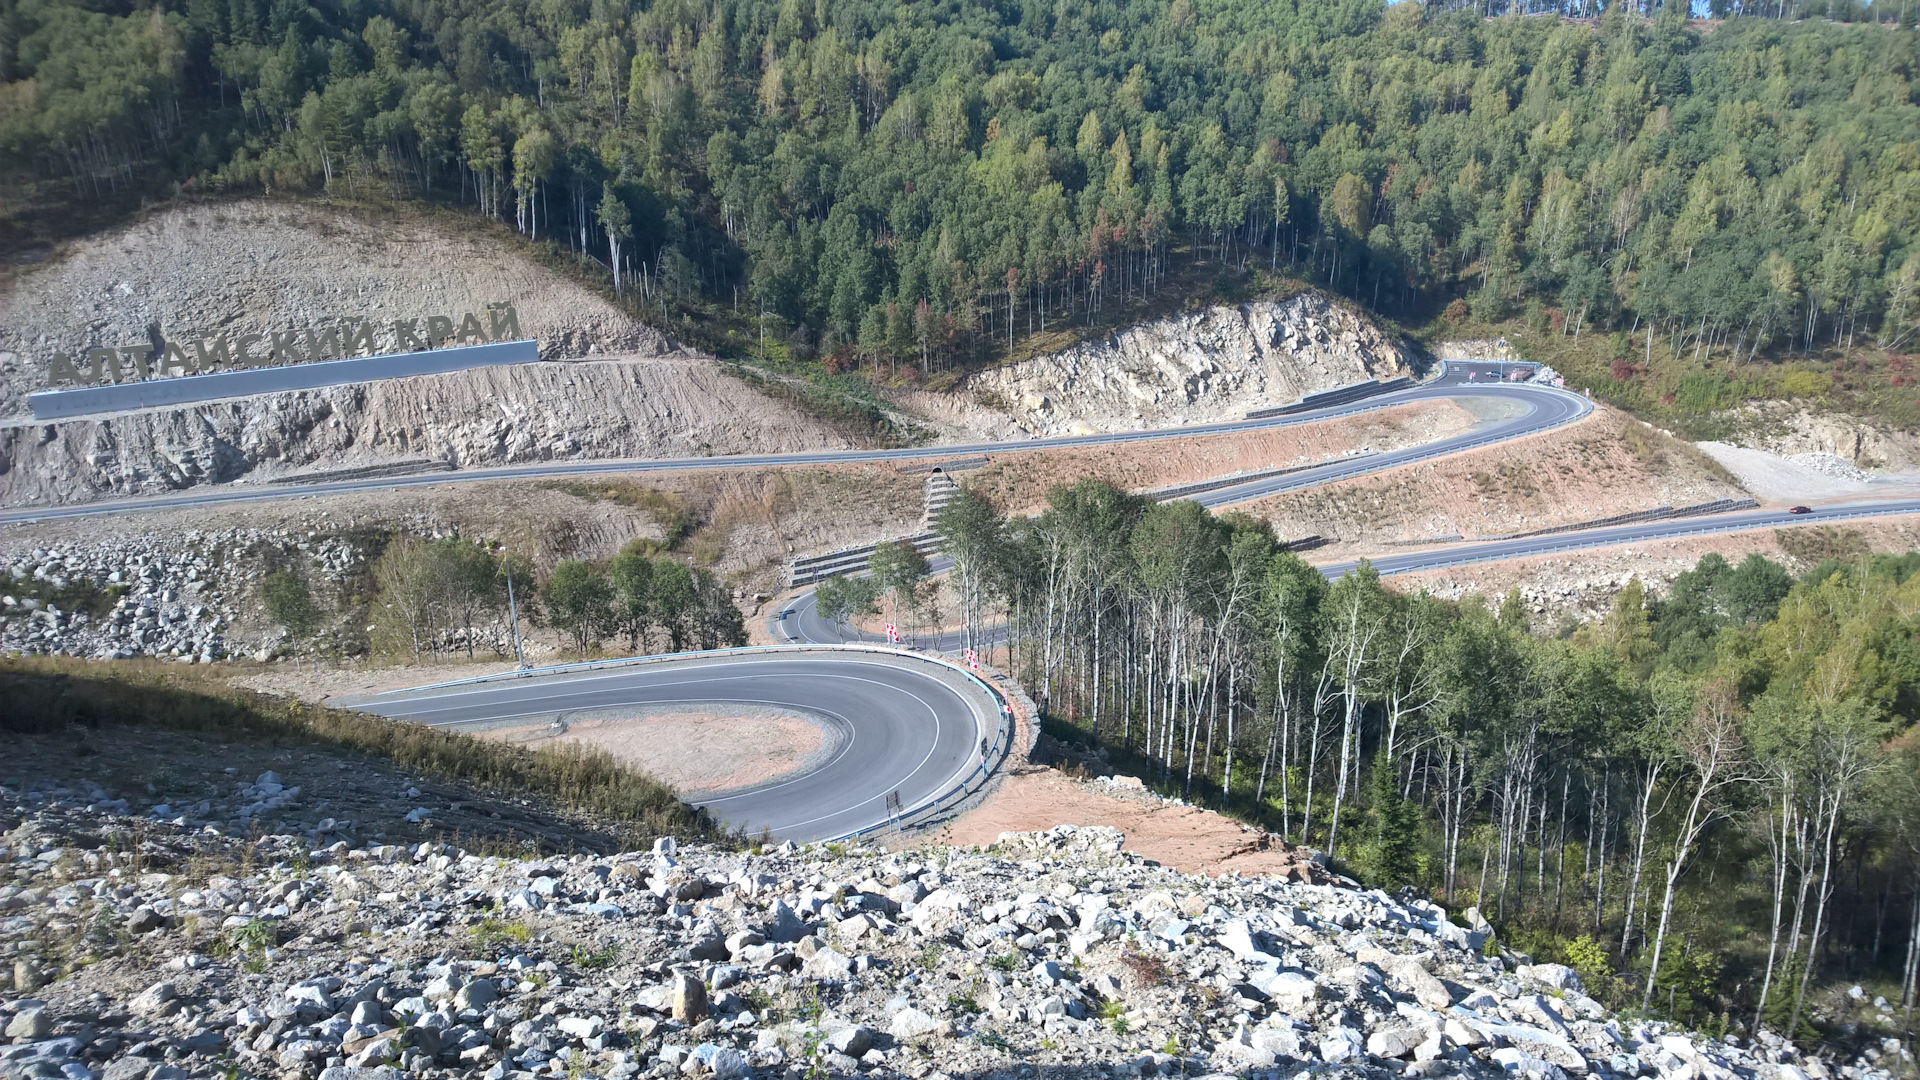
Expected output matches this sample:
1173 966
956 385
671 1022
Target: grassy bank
52 695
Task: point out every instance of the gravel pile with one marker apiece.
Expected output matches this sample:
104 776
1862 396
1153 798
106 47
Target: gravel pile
193 597
1049 950
1831 465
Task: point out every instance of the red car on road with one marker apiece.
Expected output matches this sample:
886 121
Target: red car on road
1800 510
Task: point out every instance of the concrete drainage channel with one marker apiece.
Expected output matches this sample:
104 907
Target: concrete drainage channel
941 490
814 569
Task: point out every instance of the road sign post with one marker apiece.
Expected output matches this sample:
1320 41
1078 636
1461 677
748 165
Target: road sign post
973 660
893 806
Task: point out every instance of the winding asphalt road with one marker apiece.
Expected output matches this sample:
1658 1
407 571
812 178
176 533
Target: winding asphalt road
910 726
894 723
901 723
1540 408
1496 550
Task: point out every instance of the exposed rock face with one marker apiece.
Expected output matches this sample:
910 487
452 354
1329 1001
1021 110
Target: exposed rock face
1194 368
471 419
1791 430
1478 349
261 266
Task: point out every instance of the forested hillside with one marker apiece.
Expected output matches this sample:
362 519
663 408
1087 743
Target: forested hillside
922 181
1707 803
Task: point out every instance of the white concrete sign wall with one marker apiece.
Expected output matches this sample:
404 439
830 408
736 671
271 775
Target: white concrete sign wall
245 382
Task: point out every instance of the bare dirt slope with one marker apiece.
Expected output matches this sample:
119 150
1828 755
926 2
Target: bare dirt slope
264 265
1605 465
1035 798
1019 482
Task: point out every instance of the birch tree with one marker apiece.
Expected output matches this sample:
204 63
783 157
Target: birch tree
1713 752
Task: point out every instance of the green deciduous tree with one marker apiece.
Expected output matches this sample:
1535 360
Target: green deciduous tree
579 602
844 598
899 571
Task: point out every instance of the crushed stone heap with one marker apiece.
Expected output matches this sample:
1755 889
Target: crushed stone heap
175 596
1053 951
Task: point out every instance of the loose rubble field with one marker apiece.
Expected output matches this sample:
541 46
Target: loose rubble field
123 600
282 956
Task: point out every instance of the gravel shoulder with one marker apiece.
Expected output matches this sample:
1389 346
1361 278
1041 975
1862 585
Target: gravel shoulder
702 753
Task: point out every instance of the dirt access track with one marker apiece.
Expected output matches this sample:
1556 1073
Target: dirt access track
1035 798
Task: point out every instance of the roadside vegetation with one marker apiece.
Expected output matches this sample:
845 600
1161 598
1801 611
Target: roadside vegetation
67 595
1707 802
657 603
1709 209
456 598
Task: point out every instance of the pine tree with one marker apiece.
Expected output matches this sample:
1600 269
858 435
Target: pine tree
1393 848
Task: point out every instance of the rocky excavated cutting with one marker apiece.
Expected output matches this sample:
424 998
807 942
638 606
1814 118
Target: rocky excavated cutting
225 954
1193 368
611 408
262 266
258 266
